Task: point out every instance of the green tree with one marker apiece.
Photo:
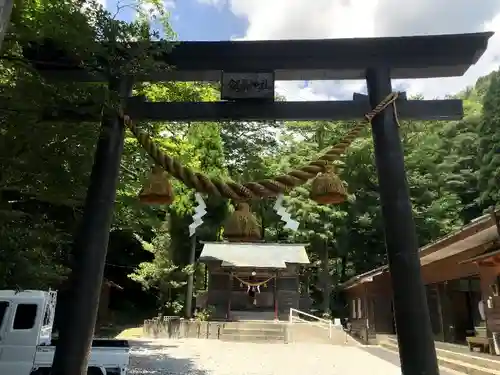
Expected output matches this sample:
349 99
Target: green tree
44 165
489 145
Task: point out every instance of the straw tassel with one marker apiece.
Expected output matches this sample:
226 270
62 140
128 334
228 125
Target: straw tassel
328 188
157 189
242 226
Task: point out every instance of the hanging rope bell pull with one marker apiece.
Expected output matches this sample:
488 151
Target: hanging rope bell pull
242 226
157 189
328 188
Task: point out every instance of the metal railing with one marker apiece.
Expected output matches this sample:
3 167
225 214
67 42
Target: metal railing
318 322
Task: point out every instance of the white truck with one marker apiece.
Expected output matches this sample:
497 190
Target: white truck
26 344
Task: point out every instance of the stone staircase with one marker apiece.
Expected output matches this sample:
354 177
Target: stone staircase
282 332
254 331
455 357
248 327
316 334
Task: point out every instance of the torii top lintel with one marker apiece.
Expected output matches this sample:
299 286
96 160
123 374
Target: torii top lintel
329 59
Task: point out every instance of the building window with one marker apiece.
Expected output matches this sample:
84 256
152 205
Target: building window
353 309
25 316
360 312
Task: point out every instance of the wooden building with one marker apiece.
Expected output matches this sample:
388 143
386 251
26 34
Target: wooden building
459 271
253 280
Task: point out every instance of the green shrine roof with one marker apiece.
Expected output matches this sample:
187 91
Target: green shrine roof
254 255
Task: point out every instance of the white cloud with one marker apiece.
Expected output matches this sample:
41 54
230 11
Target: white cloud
315 19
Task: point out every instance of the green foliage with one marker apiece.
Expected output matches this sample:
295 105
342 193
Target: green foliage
205 314
161 276
200 147
489 144
44 166
453 168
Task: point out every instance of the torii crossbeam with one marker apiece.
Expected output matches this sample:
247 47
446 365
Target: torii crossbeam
141 110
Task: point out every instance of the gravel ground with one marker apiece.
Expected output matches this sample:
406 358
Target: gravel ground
213 357
393 358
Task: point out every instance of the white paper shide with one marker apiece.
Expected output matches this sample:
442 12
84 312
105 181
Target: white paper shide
284 215
199 212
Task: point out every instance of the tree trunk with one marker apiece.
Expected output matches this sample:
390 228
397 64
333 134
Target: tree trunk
325 274
343 268
5 16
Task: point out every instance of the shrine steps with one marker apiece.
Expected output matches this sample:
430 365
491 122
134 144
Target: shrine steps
455 357
254 331
314 334
282 332
247 331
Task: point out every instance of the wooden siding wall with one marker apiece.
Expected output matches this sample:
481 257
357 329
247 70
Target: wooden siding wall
380 292
218 295
288 283
362 326
489 276
435 313
218 281
447 314
288 295
435 274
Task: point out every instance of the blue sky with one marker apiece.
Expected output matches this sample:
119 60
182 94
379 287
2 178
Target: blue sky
198 20
194 21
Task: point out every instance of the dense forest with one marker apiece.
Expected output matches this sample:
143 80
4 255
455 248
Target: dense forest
453 170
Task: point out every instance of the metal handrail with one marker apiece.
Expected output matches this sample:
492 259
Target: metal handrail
329 322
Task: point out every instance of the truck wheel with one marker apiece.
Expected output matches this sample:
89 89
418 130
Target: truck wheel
94 371
41 371
46 371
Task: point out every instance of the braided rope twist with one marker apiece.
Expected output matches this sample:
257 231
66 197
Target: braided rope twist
252 190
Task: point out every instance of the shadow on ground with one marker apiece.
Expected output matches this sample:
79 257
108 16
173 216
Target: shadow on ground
393 358
153 358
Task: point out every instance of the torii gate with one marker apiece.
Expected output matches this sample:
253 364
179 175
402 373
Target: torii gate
378 60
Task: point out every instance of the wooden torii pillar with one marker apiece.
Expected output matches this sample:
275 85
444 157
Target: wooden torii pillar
376 59
5 13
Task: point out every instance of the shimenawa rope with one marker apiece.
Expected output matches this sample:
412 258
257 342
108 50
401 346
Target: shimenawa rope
258 189
248 283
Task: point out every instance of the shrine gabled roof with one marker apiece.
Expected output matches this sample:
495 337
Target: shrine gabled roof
254 255
479 232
